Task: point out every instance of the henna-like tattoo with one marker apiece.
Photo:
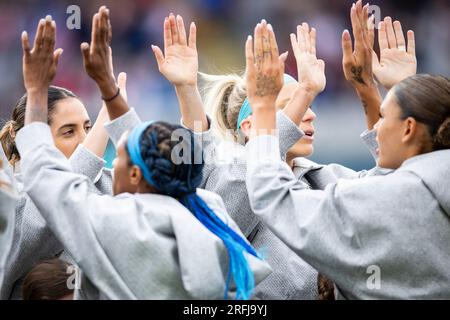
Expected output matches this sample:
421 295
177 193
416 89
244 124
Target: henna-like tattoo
357 71
266 85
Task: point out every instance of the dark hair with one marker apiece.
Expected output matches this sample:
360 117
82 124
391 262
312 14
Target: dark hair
180 179
10 129
172 179
426 98
47 281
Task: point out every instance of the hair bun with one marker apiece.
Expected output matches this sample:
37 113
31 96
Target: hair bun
170 179
442 138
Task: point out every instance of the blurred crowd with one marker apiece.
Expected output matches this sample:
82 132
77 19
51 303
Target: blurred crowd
223 26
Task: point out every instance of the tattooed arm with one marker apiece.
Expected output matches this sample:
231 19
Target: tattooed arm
264 77
357 63
39 69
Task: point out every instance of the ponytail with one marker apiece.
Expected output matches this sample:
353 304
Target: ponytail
150 147
224 96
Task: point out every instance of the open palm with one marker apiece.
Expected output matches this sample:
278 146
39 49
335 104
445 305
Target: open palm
396 61
311 71
179 63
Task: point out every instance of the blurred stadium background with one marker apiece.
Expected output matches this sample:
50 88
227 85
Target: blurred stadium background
222 29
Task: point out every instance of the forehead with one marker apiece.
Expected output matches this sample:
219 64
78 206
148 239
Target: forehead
389 103
69 110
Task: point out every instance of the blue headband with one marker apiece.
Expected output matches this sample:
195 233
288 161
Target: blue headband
134 149
246 110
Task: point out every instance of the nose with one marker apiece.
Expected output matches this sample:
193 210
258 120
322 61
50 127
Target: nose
81 136
309 116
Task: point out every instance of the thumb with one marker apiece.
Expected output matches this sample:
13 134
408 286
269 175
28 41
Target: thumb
283 57
122 83
85 51
158 55
56 55
375 62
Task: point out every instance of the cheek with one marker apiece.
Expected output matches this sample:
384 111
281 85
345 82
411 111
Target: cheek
66 145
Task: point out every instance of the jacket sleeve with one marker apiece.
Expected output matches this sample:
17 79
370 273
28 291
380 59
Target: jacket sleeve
117 127
337 230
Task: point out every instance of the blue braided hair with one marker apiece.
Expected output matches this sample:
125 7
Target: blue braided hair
150 147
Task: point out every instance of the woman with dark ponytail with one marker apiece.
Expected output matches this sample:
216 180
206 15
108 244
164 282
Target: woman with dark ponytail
83 144
377 237
158 237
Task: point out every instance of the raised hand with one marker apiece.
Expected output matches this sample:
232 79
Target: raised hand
97 56
357 63
264 76
97 60
397 59
39 68
179 62
39 63
311 71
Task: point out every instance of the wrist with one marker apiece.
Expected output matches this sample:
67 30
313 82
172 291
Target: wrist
107 87
370 90
186 87
306 91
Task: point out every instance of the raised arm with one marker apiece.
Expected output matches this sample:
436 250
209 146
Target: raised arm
311 73
357 63
264 77
397 58
179 64
97 60
97 139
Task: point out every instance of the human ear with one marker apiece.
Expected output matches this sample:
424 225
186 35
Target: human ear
409 130
246 126
135 175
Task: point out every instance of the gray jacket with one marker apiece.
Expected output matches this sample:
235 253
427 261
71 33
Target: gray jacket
32 239
224 174
141 246
8 198
318 176
382 236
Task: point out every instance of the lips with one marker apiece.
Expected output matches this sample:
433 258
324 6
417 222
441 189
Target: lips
309 134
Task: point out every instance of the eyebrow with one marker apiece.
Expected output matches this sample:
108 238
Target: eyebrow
70 125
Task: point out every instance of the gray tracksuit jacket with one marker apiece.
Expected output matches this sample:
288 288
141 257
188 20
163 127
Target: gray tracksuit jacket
8 198
132 246
224 173
385 236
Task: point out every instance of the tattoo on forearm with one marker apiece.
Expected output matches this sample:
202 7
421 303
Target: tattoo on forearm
357 72
266 85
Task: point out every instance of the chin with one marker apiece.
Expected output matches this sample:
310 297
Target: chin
302 151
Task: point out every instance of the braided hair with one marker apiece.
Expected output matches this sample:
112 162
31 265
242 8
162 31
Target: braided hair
151 146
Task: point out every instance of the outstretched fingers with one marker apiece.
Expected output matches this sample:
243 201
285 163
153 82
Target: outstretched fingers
411 43
181 30
249 57
193 36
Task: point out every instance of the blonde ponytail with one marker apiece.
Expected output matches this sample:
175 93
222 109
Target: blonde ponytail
223 96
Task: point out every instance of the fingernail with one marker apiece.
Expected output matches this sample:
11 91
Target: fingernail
48 17
264 21
269 26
